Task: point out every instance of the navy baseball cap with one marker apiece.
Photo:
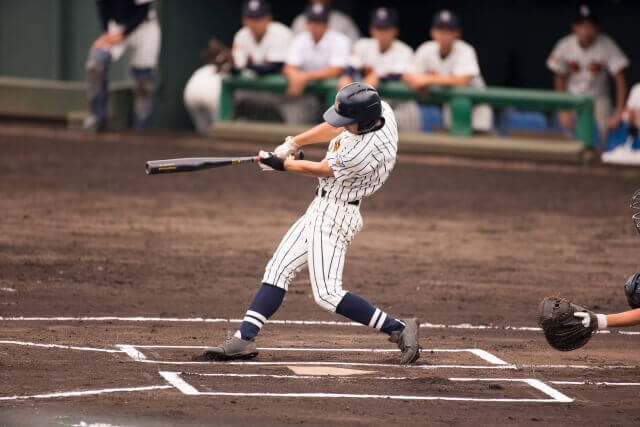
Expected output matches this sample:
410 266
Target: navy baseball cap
384 17
585 13
446 19
255 9
317 12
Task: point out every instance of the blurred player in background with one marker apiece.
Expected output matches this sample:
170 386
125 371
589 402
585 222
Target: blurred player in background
259 47
628 153
580 63
316 54
448 61
381 58
127 25
338 21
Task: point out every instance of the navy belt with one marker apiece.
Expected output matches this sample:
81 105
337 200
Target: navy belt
323 193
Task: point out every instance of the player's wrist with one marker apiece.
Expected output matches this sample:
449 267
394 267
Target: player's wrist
602 321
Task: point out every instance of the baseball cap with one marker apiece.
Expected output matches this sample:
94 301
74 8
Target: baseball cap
446 19
384 17
255 8
585 13
317 12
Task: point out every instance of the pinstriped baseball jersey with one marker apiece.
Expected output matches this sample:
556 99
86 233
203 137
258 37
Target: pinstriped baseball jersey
361 163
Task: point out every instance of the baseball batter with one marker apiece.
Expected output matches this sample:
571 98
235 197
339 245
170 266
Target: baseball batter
362 152
128 25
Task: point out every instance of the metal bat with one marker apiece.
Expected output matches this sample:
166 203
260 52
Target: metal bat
191 164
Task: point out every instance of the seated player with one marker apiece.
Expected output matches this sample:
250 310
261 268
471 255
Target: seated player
127 25
628 153
316 54
259 47
448 61
338 21
581 63
381 58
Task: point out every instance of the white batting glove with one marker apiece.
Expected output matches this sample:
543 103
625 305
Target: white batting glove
599 320
287 150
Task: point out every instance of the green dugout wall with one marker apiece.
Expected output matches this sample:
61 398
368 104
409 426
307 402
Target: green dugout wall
49 39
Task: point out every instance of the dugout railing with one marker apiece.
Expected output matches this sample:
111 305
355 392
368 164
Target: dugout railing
460 99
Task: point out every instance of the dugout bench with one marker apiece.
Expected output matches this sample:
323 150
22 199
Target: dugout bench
64 101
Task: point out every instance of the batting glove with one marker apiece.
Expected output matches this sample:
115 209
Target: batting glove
269 161
288 149
598 320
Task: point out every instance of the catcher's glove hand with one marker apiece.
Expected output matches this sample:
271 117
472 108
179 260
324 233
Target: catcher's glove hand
219 55
564 330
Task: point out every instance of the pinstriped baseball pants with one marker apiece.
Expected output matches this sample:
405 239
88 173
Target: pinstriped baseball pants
319 240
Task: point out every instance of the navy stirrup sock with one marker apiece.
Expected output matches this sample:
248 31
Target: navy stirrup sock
360 310
266 302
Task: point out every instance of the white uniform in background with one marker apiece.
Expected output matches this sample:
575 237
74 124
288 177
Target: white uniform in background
633 102
307 55
625 154
338 21
143 43
202 92
461 61
587 69
361 164
394 61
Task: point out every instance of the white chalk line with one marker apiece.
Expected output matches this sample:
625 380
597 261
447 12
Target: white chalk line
303 377
131 351
175 379
274 322
593 383
66 347
86 392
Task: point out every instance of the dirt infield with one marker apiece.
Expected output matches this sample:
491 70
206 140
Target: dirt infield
109 265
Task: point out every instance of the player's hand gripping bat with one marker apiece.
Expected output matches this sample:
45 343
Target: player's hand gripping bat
191 164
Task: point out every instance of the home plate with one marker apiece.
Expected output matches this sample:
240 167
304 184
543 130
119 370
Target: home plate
326 370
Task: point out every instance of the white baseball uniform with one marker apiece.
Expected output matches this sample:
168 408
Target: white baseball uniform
338 21
461 61
394 61
307 55
633 102
586 70
361 164
143 43
202 92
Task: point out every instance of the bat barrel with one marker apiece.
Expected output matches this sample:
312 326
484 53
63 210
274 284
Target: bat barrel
154 167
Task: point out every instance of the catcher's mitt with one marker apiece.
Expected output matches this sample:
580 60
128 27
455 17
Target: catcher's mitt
219 55
562 329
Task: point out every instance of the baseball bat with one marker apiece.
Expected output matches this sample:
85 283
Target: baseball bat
191 164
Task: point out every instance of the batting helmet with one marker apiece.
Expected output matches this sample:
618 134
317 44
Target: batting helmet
355 103
632 290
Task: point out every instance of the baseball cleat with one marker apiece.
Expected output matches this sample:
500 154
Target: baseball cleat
233 348
407 341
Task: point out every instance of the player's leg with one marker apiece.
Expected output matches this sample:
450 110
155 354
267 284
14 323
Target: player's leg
331 229
288 259
97 69
144 43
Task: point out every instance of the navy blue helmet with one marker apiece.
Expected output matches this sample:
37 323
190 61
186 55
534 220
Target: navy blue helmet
355 103
632 290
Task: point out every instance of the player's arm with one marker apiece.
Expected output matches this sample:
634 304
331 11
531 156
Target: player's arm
327 73
323 132
565 117
308 168
626 318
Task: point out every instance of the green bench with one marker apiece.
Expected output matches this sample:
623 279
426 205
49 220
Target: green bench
60 100
461 100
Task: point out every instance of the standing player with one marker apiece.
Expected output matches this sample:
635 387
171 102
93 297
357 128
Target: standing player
382 58
580 63
338 21
128 25
361 155
448 61
259 47
316 54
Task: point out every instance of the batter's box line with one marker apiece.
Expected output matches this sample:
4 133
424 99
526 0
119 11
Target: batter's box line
176 380
494 361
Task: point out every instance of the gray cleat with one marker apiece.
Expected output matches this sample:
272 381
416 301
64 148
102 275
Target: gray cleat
407 341
233 348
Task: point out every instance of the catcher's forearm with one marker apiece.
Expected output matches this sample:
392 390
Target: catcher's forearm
626 318
308 168
323 132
